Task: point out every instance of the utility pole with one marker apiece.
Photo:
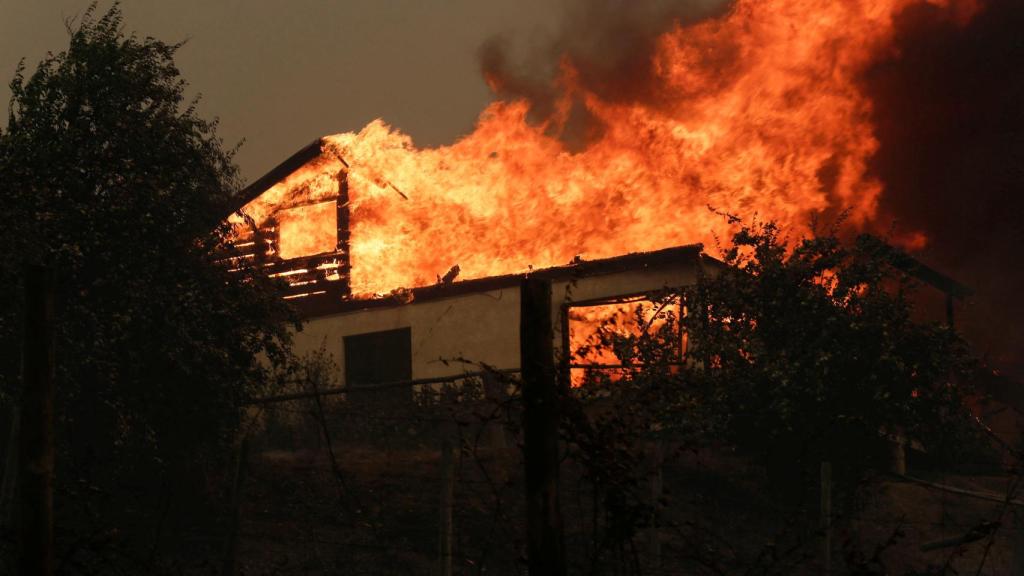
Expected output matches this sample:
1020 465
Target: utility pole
545 542
37 436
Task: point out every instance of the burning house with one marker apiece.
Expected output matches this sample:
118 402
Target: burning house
407 263
295 225
757 112
392 312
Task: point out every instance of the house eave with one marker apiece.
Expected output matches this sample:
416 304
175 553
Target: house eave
327 304
297 160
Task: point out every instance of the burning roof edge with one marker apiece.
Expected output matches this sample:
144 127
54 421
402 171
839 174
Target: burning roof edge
311 151
328 304
297 160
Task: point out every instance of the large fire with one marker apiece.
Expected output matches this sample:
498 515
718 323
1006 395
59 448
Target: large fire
758 112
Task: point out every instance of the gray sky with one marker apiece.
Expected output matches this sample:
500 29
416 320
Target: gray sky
279 74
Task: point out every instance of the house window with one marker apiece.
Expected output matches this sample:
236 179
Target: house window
612 338
379 357
308 230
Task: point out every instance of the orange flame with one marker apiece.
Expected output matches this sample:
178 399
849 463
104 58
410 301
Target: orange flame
310 229
595 330
765 117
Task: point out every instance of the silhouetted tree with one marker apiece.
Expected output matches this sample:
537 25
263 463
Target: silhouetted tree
814 353
797 352
111 178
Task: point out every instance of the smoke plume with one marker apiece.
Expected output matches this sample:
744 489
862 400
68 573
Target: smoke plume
610 45
949 115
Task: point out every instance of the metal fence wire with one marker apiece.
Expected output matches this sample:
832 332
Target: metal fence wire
418 477
426 477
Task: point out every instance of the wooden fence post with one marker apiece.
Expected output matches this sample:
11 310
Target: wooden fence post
8 501
544 536
445 527
230 560
494 394
898 453
656 459
826 517
35 485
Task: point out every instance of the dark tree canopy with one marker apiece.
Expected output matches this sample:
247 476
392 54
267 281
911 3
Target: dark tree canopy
111 178
818 345
796 353
800 351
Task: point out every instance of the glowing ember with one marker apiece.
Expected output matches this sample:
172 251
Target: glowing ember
764 117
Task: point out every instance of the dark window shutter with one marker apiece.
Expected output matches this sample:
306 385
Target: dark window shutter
379 357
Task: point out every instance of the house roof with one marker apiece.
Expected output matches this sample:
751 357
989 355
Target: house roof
297 160
326 304
933 277
917 269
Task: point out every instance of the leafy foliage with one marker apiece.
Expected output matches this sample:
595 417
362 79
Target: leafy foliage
819 347
816 348
796 352
112 179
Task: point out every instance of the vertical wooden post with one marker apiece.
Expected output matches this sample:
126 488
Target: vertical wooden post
11 471
495 394
37 437
344 235
230 561
268 242
445 527
545 543
1017 557
657 483
259 247
566 360
826 517
898 450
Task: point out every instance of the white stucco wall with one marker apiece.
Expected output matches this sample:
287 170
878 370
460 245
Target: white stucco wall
480 327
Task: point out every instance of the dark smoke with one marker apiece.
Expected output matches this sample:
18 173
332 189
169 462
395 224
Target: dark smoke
610 43
949 111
